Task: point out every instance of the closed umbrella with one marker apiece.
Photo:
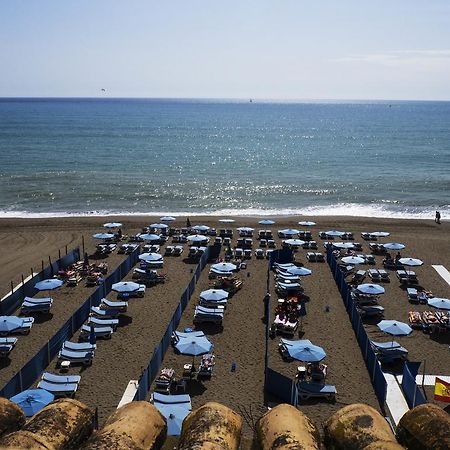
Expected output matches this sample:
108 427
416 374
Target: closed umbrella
394 328
32 400
159 226
300 271
295 242
439 303
125 286
112 225
150 257
307 223
48 285
289 232
266 222
150 237
167 219
371 289
224 267
334 233
410 261
353 260
103 236
8 324
212 295
394 246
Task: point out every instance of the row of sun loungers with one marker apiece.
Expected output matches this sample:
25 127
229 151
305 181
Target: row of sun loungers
389 352
173 250
414 296
315 257
196 252
346 236
129 248
407 277
208 315
429 320
378 275
36 305
59 385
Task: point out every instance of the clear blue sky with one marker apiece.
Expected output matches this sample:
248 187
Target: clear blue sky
278 49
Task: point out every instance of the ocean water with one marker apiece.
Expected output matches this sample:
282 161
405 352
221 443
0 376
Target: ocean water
138 156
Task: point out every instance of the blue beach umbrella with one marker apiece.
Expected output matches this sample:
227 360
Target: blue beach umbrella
150 257
174 415
300 271
150 237
200 228
394 328
307 223
112 225
125 286
380 233
48 285
334 233
352 260
439 303
289 232
371 289
343 245
394 246
9 324
159 226
212 295
194 346
167 219
32 400
306 352
295 242
266 222
197 238
224 267
103 236
410 261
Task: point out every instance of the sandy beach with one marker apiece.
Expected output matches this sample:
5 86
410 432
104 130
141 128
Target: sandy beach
26 242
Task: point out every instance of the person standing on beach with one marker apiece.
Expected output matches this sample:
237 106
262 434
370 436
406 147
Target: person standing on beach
437 219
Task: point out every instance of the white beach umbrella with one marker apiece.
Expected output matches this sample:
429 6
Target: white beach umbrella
197 238
150 257
410 261
224 267
246 229
394 246
266 222
112 225
307 223
295 242
103 236
353 260
167 219
159 226
343 245
150 237
334 233
200 228
289 232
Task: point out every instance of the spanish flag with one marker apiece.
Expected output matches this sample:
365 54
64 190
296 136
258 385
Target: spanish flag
442 390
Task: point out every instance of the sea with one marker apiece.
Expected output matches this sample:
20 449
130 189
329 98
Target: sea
66 156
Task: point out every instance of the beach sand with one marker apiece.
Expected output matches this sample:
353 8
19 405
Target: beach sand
26 242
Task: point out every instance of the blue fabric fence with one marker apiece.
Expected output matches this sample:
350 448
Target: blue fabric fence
376 374
31 371
282 387
15 299
151 371
413 394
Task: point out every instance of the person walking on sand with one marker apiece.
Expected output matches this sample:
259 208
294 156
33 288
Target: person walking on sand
437 219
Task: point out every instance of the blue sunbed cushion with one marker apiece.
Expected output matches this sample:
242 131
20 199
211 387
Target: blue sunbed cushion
316 388
58 388
171 399
60 379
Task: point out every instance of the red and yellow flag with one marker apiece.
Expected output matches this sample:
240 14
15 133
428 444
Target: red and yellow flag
442 390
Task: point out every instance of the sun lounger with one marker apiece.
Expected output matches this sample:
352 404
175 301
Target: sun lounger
84 358
169 250
164 381
60 379
259 253
370 311
247 253
109 304
412 295
59 389
42 307
113 323
374 275
177 250
105 313
38 301
389 352
311 256
316 390
79 346
358 277
100 332
206 365
203 315
7 345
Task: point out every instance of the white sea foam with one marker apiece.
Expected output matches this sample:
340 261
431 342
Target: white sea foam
342 209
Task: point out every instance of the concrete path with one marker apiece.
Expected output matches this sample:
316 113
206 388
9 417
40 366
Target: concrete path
129 393
394 398
443 272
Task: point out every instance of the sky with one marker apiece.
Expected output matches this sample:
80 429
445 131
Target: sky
261 49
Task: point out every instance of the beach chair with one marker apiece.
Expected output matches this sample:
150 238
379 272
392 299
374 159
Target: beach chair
412 295
259 253
7 345
59 389
389 352
415 320
79 346
98 322
290 327
247 253
105 313
263 243
358 277
164 381
193 251
169 250
84 358
307 390
114 305
60 379
177 250
38 301
206 366
28 307
320 257
205 315
374 275
311 256
100 332
384 276
370 311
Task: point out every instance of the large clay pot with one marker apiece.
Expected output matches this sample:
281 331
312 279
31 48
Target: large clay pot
11 416
425 427
285 427
356 426
62 424
211 427
136 426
